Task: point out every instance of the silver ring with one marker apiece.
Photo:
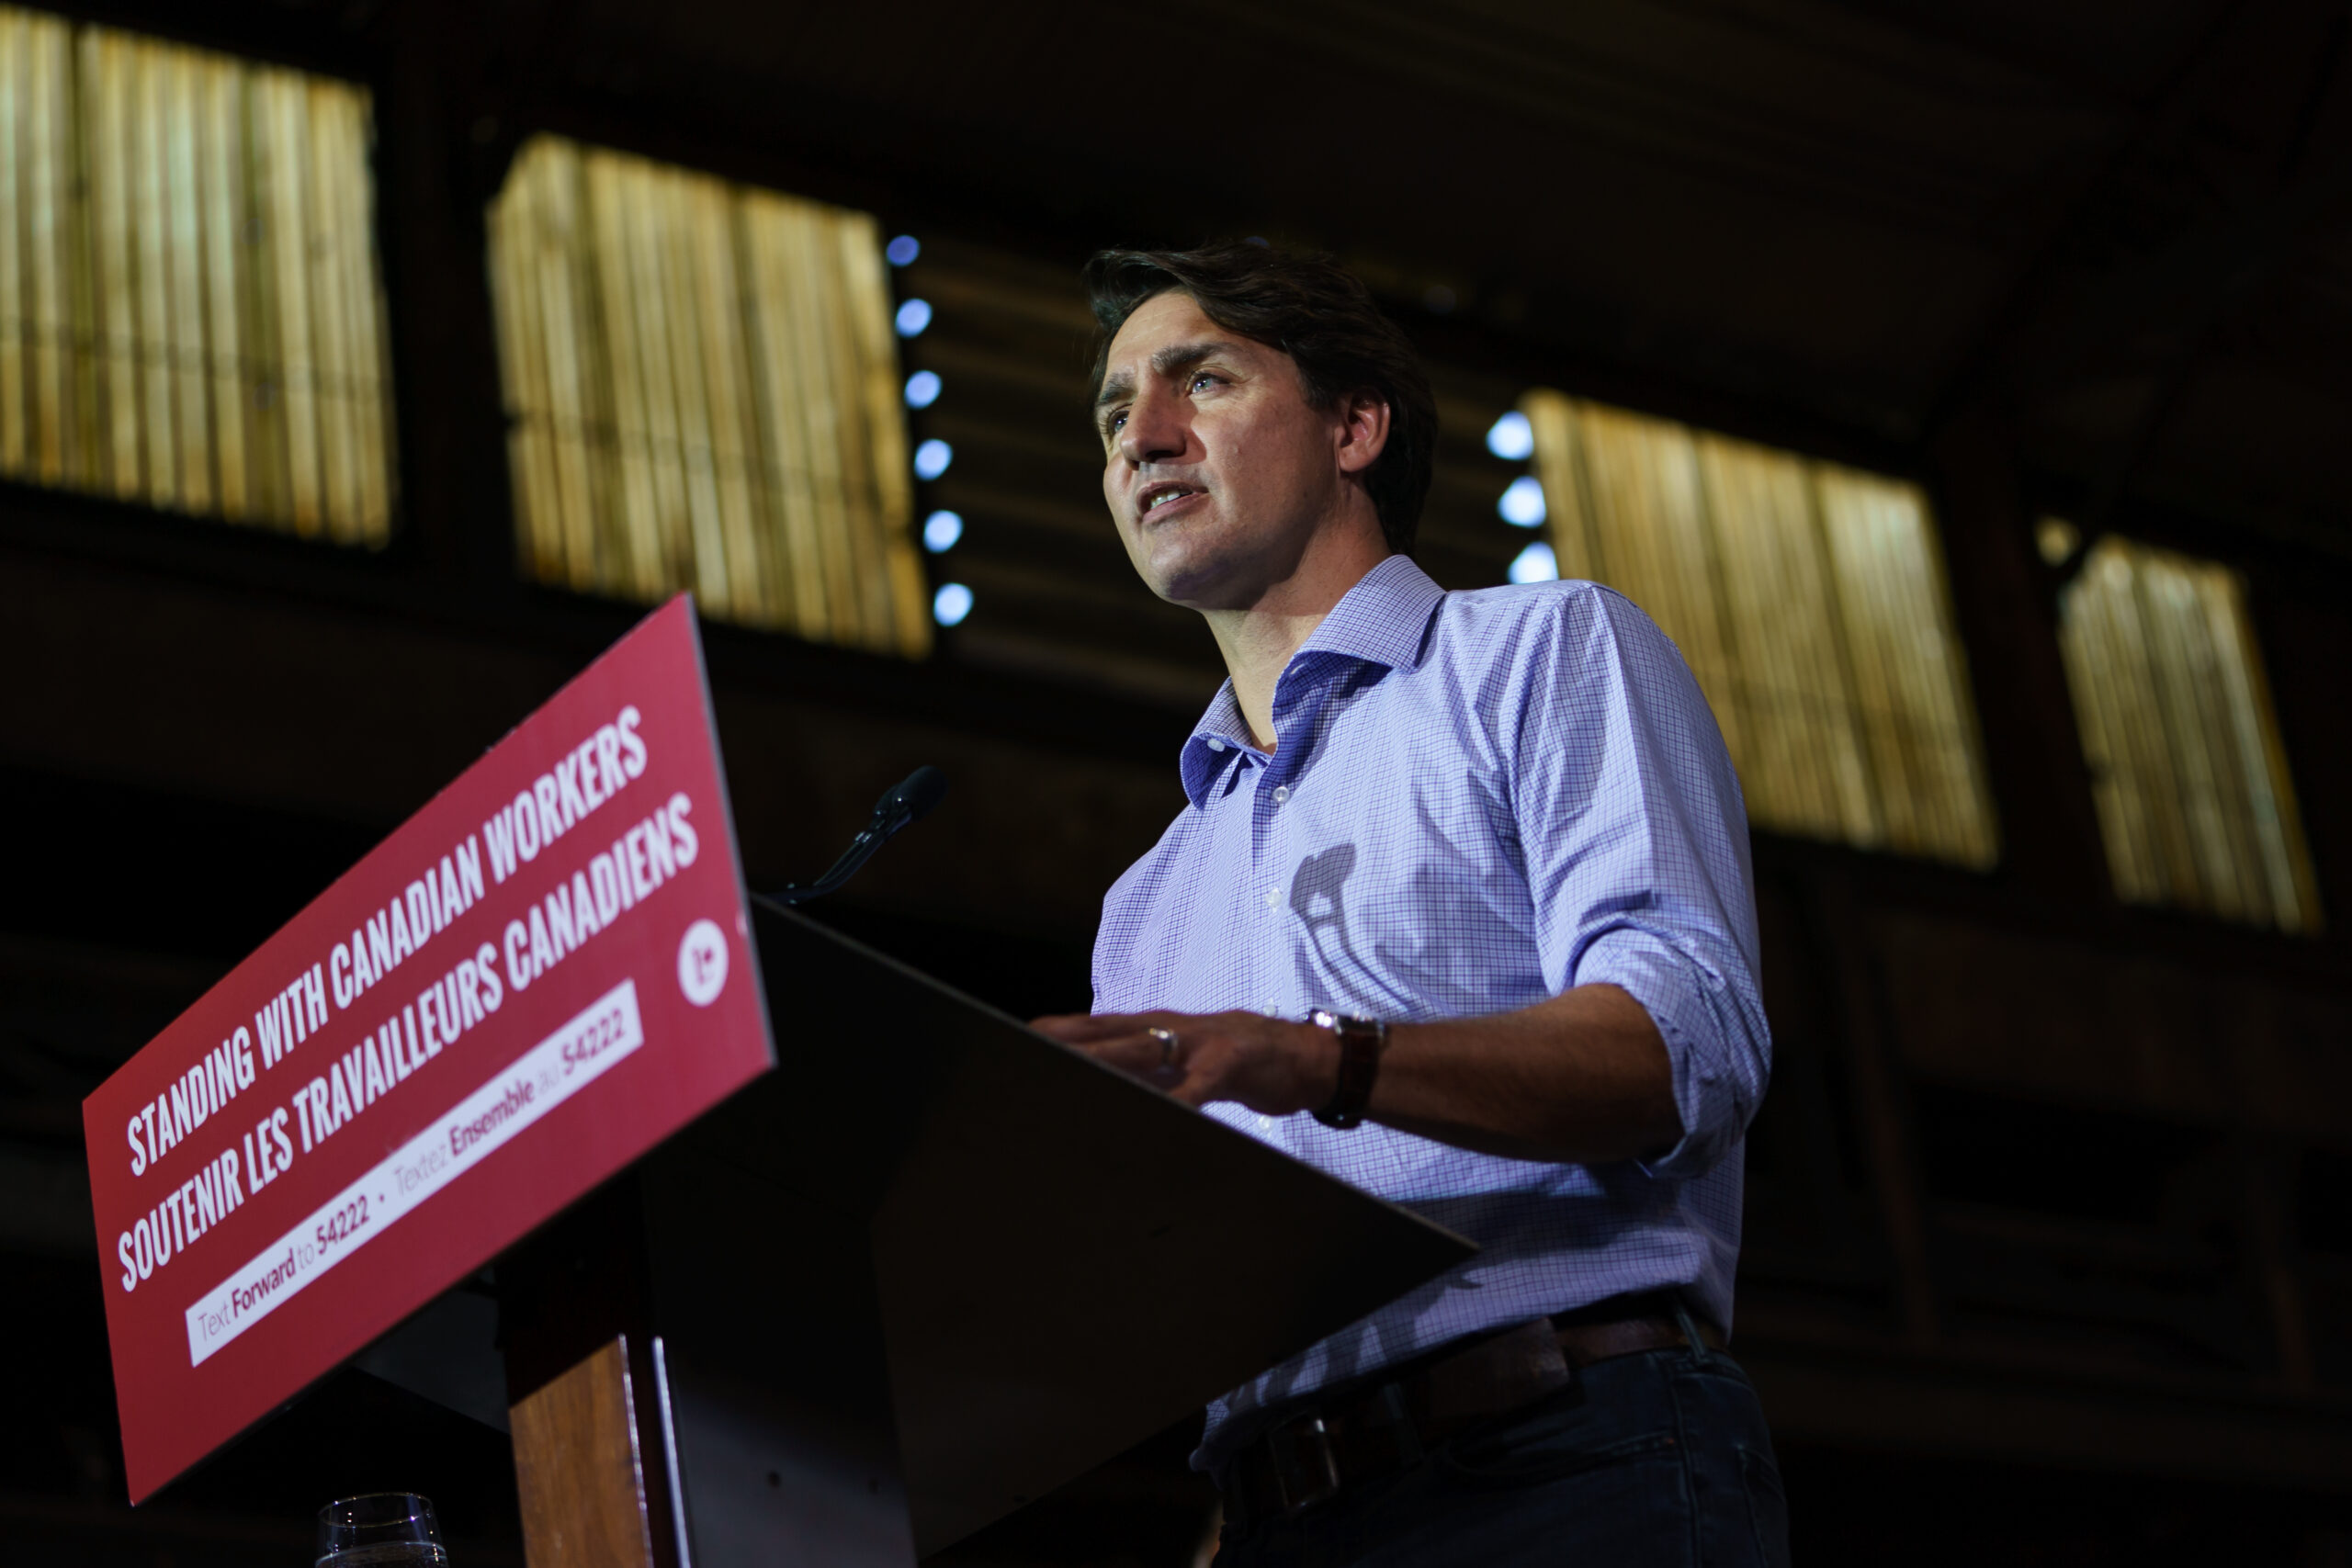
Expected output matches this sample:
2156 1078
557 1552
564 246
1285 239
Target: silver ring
1167 1038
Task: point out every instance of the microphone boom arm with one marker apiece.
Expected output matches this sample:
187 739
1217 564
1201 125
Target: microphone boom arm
903 804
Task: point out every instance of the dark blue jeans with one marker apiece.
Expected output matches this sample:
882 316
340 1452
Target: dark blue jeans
1656 1459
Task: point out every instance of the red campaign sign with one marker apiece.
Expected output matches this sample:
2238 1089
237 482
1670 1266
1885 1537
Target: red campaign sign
537 977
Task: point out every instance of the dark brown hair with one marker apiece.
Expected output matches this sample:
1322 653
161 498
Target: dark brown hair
1314 310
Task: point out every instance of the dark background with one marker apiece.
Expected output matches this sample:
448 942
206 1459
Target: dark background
2049 1249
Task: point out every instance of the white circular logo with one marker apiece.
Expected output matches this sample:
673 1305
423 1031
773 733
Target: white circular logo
702 962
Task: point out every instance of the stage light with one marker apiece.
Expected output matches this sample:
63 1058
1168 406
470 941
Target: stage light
1523 503
1511 438
951 604
913 316
1535 564
940 530
931 459
922 389
902 250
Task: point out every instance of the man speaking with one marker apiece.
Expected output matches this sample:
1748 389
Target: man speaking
1459 912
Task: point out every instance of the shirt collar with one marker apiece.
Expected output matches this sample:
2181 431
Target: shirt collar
1383 620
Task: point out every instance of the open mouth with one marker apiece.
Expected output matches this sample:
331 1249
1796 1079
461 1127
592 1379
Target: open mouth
1158 497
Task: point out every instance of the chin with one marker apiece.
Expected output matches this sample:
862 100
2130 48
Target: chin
1206 569
1183 574
1187 586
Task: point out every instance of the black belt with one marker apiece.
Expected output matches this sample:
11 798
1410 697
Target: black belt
1366 1434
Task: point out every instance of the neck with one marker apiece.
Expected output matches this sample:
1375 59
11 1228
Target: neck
1258 641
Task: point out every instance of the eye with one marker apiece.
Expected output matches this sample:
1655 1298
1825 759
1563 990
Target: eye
1210 377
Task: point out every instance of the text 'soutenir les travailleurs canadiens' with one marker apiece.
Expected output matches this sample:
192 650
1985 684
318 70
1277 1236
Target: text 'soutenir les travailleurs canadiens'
401 1039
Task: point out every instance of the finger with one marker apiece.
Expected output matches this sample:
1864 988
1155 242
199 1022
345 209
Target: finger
1142 1055
1148 1058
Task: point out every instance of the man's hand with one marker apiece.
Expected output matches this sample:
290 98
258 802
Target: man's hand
1271 1065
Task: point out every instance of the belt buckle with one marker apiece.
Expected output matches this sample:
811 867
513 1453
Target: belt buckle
1306 1472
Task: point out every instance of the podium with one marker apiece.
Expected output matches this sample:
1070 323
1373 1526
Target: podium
800 1256
931 1267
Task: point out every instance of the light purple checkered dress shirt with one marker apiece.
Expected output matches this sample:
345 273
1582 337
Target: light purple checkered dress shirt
1477 800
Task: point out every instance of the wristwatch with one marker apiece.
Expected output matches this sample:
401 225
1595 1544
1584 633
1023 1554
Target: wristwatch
1362 1040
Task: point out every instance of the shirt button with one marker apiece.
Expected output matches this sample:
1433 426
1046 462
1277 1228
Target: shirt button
1282 793
1214 744
1273 897
1265 1123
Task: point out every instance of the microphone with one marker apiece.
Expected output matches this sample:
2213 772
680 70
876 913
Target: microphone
907 801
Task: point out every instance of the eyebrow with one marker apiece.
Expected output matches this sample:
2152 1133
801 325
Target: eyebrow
1167 362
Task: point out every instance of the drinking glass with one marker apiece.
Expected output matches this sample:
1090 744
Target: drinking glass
383 1529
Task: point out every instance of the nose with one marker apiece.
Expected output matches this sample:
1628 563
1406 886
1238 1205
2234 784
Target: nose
1156 431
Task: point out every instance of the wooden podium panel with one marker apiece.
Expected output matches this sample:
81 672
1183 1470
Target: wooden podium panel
578 1471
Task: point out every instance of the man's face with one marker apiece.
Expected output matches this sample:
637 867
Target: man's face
1216 469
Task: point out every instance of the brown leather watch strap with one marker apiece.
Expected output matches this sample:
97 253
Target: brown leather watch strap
1362 1040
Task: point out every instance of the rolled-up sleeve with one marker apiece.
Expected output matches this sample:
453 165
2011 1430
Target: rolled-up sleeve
1636 840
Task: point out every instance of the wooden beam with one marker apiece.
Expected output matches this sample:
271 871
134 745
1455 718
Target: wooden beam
1879 1100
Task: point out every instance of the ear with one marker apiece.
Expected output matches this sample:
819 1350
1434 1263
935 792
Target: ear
1362 430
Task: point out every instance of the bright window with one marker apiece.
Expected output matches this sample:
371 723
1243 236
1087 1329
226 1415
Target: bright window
703 393
1808 598
2194 800
190 313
